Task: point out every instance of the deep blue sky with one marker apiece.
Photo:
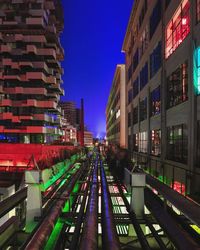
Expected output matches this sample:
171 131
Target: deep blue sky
92 38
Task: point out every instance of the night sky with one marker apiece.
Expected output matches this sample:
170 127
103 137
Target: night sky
92 38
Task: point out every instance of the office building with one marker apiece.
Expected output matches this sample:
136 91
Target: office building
116 109
162 48
30 70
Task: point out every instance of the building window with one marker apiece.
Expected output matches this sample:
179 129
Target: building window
155 17
155 60
135 115
178 28
198 10
129 119
135 87
143 142
144 76
142 13
135 60
177 143
197 71
129 142
155 102
135 142
156 142
129 72
144 40
130 92
198 145
143 110
177 86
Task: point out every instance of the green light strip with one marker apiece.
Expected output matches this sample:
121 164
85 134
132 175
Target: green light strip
51 243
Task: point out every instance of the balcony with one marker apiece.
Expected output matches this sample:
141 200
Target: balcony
51 80
51 53
39 21
5 48
47 104
31 49
41 65
35 39
35 76
11 77
43 117
35 130
6 103
6 116
19 37
32 103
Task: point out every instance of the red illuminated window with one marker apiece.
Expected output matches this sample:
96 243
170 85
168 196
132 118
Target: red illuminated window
178 28
198 10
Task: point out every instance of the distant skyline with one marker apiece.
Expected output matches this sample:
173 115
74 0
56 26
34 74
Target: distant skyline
93 36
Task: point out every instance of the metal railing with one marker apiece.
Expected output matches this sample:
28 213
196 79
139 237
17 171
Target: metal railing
167 172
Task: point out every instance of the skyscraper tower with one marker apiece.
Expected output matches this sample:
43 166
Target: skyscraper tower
30 70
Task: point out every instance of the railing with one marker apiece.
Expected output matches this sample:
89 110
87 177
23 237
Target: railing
177 177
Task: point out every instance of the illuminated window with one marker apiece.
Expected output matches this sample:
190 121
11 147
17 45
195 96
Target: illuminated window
177 86
135 142
197 71
143 142
155 101
198 10
178 28
177 143
156 142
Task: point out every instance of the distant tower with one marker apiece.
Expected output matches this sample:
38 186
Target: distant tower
82 124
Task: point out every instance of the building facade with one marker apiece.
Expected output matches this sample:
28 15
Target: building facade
162 47
30 70
88 138
69 111
116 109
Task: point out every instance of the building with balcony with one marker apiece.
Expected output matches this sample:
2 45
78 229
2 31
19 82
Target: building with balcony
30 78
116 109
162 48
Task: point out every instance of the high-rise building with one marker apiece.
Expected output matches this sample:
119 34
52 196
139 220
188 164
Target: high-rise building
69 111
30 70
116 109
162 47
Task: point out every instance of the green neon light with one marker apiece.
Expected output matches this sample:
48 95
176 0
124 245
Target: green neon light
63 168
71 199
51 244
196 71
197 229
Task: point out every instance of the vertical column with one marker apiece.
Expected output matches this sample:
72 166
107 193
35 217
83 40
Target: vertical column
34 198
